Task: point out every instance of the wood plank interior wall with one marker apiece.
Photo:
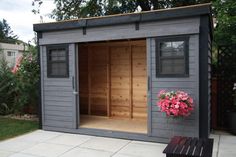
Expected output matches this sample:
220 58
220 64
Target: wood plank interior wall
83 79
120 82
139 81
113 79
98 80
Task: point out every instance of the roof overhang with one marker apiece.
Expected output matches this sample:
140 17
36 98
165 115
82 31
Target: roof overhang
155 15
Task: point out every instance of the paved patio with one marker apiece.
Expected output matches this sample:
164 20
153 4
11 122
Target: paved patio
53 144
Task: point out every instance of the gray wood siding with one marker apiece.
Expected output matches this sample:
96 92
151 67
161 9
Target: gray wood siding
125 31
168 127
58 104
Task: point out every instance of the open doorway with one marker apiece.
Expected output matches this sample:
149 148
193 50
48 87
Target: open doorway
113 85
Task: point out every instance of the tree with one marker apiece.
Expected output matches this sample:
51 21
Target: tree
6 34
69 9
225 15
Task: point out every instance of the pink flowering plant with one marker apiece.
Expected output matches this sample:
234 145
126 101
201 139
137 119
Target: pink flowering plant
175 103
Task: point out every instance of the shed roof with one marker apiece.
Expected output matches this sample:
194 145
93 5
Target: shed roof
145 16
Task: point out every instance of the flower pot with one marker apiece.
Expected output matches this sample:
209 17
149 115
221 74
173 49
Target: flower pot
232 122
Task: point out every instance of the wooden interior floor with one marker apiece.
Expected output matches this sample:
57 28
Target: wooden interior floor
114 124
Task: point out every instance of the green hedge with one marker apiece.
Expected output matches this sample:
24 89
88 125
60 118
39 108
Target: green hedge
18 89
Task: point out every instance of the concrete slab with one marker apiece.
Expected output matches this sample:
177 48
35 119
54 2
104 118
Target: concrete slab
121 155
143 150
228 139
226 154
227 146
52 144
227 150
215 137
105 144
214 154
47 149
149 143
4 153
14 145
216 144
85 152
22 155
69 139
38 136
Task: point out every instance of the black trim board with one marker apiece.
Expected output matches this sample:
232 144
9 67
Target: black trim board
165 14
203 77
39 35
76 83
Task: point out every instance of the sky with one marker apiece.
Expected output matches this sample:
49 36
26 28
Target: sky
19 16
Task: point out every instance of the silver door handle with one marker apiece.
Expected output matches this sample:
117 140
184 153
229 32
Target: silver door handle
75 92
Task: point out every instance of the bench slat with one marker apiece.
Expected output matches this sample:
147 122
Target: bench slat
181 145
172 145
208 148
192 146
199 147
189 147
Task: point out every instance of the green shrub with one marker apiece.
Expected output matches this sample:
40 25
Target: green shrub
27 77
7 88
18 88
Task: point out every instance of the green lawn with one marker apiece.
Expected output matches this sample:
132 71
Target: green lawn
12 127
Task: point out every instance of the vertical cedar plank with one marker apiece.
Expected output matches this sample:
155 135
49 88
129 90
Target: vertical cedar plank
89 81
130 81
108 82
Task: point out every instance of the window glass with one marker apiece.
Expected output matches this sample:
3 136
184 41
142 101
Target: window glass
58 69
57 55
172 56
172 66
175 48
58 62
10 53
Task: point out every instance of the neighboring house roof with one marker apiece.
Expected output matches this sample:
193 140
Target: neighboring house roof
18 47
155 15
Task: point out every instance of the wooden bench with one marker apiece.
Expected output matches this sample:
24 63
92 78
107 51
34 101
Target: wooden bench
189 147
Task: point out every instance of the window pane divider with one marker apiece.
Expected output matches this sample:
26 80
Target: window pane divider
172 57
56 61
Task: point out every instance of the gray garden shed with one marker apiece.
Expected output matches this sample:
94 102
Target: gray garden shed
101 76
